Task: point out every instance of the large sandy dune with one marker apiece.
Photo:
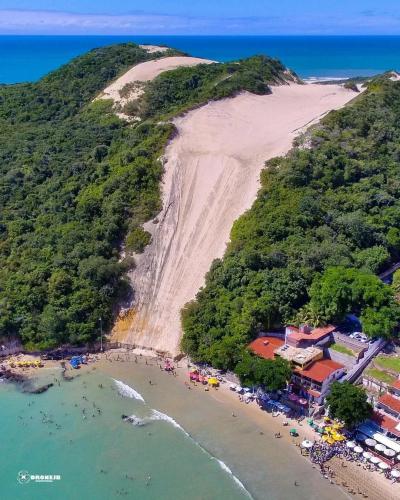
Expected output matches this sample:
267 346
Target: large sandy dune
149 70
211 177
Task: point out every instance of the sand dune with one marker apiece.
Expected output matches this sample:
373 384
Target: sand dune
147 71
211 177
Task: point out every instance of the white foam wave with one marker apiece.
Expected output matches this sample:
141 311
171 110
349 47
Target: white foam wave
128 392
158 415
136 421
225 468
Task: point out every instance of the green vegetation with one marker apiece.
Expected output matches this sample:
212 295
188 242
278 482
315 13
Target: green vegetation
327 211
388 363
348 403
76 183
271 374
176 91
380 375
340 290
74 180
341 348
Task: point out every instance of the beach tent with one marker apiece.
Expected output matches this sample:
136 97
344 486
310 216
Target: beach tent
213 382
383 465
389 453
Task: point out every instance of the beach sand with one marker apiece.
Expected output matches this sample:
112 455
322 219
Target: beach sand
245 441
145 72
211 177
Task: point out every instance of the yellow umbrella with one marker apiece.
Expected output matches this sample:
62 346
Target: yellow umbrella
213 381
328 429
330 440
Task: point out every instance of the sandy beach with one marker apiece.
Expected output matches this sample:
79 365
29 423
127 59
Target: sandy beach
145 72
242 434
211 177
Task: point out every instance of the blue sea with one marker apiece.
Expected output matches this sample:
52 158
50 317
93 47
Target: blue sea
27 58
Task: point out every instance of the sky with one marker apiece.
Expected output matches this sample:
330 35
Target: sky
200 17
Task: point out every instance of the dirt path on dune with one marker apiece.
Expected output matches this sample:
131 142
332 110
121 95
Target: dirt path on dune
211 178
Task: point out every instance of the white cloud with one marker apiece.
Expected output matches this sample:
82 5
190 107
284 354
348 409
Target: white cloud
54 22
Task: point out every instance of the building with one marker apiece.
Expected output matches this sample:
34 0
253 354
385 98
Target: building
390 405
314 381
265 347
299 358
387 425
305 336
312 373
395 388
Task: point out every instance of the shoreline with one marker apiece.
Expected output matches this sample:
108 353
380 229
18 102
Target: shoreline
351 479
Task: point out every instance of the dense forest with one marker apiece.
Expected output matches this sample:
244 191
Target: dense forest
325 222
76 183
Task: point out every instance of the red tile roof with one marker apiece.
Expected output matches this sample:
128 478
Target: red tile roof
315 334
396 384
390 402
320 370
266 346
386 422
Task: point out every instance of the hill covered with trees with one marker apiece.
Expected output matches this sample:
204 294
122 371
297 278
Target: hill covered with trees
76 182
326 220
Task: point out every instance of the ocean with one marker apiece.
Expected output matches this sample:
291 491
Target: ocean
179 445
27 58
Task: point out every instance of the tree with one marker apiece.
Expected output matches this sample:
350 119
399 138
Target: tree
348 403
272 374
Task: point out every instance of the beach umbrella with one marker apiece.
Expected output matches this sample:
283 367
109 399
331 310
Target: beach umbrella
395 473
350 444
370 442
383 465
389 453
374 460
307 444
213 381
367 455
398 458
358 449
379 447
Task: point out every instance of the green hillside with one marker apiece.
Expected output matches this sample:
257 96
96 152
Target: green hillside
76 182
326 220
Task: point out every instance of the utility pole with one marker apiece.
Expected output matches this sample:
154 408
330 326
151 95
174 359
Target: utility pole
101 334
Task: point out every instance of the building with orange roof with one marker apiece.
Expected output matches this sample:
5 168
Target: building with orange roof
390 405
386 424
265 347
305 336
395 388
314 381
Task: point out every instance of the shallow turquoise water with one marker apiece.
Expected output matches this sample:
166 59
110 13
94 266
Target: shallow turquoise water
48 434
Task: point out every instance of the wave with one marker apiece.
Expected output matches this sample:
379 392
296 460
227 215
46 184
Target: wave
136 421
225 468
128 392
158 415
